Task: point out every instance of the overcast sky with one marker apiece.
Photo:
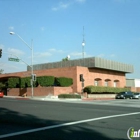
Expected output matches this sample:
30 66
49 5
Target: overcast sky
111 29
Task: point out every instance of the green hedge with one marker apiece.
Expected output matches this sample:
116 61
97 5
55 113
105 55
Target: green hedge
13 82
69 96
63 81
98 89
19 82
25 82
45 81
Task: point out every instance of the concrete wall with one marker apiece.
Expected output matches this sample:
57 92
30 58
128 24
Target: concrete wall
101 96
137 82
133 82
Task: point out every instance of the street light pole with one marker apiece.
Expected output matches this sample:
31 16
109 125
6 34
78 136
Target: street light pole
31 48
32 68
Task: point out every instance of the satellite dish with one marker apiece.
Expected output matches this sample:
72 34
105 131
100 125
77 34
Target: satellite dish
68 57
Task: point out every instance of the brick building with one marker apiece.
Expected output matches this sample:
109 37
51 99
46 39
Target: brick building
95 71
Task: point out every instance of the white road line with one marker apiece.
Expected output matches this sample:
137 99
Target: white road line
66 124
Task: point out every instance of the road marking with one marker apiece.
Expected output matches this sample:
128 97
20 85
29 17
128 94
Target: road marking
66 124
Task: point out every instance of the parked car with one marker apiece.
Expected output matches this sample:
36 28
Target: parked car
136 96
1 94
125 95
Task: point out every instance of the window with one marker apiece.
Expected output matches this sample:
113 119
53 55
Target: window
106 83
95 83
116 83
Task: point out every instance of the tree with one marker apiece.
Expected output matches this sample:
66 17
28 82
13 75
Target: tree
1 71
65 59
1 85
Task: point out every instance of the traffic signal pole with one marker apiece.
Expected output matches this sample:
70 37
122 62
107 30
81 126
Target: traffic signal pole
0 53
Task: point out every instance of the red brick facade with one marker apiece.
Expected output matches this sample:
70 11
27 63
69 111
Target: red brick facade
92 76
39 91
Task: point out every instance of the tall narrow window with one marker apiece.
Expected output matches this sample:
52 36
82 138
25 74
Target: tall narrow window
95 83
116 83
106 83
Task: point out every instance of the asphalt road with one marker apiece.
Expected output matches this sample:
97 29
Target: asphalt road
47 120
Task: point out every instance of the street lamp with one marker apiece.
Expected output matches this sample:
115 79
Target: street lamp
31 48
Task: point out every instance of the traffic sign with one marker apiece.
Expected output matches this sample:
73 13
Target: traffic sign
13 59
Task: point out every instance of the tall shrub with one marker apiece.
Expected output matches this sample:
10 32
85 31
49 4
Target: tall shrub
45 81
13 82
25 82
63 81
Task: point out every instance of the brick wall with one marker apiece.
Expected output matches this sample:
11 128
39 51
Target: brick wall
74 72
39 91
91 74
135 89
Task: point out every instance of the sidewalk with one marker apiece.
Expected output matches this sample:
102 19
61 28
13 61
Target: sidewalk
42 98
55 98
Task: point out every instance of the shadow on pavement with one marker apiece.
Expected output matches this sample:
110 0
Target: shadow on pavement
11 121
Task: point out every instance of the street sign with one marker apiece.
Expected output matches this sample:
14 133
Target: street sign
13 59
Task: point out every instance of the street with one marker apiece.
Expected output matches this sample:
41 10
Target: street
77 120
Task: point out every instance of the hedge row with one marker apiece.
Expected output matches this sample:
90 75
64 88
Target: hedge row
17 82
43 81
98 89
63 81
69 96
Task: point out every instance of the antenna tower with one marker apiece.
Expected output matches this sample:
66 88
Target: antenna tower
83 43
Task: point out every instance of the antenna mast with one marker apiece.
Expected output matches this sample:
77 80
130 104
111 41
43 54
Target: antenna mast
83 43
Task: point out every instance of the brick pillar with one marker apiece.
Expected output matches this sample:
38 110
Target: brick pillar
110 84
100 83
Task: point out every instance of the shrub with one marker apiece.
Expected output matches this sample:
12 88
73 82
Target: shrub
25 82
63 81
19 82
69 96
2 85
13 82
98 89
45 81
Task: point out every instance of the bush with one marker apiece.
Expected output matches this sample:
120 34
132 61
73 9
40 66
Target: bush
45 81
2 85
26 82
19 82
69 96
13 82
63 81
98 89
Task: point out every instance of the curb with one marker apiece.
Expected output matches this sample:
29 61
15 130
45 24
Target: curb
98 99
58 99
